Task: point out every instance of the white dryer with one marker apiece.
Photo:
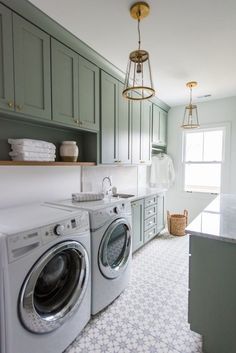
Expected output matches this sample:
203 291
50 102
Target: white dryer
45 277
111 248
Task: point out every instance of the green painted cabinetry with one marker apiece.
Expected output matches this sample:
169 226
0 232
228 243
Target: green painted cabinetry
75 88
146 115
136 132
137 224
115 122
159 126
6 60
31 69
147 219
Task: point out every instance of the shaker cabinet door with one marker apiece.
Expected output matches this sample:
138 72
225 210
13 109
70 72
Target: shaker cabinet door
123 129
137 224
155 124
163 128
32 69
146 111
109 115
88 95
64 84
6 60
136 132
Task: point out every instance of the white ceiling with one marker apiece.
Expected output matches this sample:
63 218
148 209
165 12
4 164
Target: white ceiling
187 40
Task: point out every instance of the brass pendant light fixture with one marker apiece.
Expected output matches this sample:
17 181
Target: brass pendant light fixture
138 77
190 120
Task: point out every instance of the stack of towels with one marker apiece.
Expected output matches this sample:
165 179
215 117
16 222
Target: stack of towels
32 150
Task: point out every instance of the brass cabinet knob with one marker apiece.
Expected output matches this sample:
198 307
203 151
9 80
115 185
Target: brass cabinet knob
76 121
10 104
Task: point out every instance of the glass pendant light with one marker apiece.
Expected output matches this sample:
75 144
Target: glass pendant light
190 120
138 77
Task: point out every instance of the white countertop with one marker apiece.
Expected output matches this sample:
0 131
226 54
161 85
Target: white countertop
110 201
217 220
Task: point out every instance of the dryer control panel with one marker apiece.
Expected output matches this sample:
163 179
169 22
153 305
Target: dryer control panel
22 243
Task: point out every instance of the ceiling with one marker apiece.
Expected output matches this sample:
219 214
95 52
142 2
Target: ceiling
187 40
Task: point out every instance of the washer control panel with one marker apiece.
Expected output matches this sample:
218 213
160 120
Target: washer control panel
22 243
102 216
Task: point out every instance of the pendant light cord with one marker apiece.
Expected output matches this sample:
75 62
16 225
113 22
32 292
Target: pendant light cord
139 35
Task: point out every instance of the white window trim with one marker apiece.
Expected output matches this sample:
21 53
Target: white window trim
225 172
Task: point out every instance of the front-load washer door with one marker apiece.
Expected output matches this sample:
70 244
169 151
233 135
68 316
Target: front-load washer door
115 249
54 287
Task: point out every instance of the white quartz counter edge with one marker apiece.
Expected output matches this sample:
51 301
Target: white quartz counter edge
143 194
226 204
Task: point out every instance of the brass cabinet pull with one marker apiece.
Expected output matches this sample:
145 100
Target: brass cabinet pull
10 104
76 121
142 161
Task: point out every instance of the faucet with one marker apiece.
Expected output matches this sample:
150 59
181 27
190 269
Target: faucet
107 191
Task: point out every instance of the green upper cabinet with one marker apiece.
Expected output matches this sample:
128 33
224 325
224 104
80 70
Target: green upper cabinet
123 128
64 84
146 114
6 60
115 122
88 94
109 113
32 69
75 88
136 131
159 126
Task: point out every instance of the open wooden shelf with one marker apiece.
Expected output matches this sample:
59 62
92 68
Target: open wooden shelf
52 164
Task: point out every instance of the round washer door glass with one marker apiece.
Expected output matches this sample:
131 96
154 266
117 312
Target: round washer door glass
115 249
54 287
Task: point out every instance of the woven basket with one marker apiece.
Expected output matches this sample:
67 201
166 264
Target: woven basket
177 223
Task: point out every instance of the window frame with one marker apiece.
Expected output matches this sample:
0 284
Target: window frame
225 163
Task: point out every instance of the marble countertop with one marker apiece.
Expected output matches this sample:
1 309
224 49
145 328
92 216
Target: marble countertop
217 220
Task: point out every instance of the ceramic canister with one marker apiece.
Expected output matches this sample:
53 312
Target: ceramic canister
69 151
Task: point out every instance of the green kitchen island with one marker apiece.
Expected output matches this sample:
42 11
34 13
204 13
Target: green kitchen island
212 275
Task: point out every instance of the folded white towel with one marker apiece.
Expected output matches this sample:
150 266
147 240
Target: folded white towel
87 196
32 154
22 148
30 142
35 159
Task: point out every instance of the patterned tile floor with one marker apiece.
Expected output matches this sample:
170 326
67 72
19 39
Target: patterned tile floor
150 316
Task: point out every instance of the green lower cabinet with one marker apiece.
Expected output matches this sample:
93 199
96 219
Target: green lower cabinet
115 122
31 69
137 224
147 219
212 292
6 60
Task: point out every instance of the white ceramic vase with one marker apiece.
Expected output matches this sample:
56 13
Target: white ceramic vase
69 151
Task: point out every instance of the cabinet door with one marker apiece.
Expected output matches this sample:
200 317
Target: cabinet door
88 95
32 69
64 84
137 224
136 132
123 129
109 115
6 60
155 124
160 213
146 111
163 127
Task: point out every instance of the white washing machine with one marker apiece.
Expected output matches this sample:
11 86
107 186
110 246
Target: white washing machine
111 248
45 277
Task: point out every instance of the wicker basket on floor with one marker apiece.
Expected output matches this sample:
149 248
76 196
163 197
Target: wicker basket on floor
177 223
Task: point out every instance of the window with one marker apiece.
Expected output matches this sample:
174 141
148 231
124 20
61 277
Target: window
203 156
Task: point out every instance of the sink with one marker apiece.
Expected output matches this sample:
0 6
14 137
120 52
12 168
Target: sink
123 196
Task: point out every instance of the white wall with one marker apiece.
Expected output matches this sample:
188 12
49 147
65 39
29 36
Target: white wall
19 185
124 178
218 111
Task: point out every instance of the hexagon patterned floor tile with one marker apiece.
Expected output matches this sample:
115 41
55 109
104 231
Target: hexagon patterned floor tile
150 316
